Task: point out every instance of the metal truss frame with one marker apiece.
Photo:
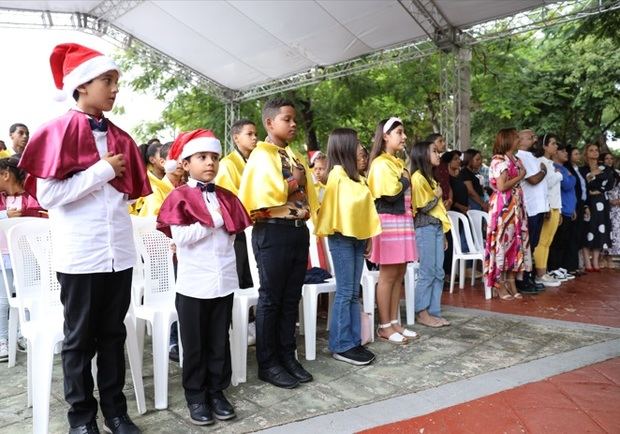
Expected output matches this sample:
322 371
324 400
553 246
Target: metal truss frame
231 114
440 36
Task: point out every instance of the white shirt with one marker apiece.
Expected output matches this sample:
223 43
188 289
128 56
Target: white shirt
554 183
89 219
207 264
536 196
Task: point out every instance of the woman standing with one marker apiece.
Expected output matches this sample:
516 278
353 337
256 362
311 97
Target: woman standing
614 205
581 193
472 161
431 220
390 184
599 180
348 219
507 250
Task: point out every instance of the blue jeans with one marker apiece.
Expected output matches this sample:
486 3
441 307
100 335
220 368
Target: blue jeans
348 257
429 240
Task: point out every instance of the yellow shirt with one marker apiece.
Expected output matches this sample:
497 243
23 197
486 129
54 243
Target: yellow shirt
6 153
348 208
161 189
230 172
384 175
263 186
422 193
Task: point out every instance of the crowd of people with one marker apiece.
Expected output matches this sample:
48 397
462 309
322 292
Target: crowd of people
551 217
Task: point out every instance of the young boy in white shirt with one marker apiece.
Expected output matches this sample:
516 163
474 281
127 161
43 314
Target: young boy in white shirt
83 170
202 221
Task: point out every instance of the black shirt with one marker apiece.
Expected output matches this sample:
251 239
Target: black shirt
468 175
459 192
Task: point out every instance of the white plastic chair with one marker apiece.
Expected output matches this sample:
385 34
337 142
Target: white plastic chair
476 219
309 299
156 306
244 299
458 257
14 302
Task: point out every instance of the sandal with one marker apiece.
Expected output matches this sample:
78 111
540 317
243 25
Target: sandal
511 287
444 322
406 332
500 291
432 322
395 338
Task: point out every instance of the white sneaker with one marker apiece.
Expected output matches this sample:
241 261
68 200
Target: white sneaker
558 275
547 280
4 350
22 344
251 334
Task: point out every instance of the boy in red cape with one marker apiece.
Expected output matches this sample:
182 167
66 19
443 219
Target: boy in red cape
202 220
83 170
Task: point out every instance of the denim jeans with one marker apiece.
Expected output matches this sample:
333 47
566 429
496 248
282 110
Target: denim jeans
348 257
429 240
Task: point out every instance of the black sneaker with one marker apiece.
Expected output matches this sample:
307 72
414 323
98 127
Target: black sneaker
366 351
354 356
526 287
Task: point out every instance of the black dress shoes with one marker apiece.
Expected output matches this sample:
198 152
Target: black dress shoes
279 377
200 414
89 428
296 370
120 425
222 409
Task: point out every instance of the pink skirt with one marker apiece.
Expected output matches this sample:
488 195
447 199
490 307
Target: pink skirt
396 243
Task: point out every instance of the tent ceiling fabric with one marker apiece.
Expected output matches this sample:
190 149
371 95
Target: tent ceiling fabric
240 43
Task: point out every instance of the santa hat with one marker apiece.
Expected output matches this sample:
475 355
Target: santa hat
73 65
190 143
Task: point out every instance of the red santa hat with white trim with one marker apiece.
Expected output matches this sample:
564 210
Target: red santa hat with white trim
190 143
74 64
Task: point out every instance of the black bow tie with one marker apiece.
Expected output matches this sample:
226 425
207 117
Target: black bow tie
210 187
96 125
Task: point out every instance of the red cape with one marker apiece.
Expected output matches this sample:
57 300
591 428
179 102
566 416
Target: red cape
66 145
185 206
30 206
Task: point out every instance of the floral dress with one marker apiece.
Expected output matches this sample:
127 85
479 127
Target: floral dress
507 245
614 216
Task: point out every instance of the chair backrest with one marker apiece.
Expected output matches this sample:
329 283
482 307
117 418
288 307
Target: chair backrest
456 219
251 257
5 225
29 246
156 255
476 218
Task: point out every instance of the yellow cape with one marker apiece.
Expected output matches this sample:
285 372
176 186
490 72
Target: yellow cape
384 174
262 184
348 208
161 189
422 193
230 171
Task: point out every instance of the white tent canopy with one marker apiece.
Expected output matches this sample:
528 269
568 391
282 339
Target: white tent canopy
239 44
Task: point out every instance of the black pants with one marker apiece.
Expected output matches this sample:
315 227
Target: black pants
204 327
281 253
243 265
95 306
564 249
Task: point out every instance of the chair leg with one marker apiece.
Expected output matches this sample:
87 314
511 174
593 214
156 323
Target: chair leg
13 316
462 274
161 339
410 294
330 303
310 311
140 333
452 274
302 330
240 332
135 364
473 273
29 357
43 354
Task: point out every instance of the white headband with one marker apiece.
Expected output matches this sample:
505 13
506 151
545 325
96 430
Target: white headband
389 124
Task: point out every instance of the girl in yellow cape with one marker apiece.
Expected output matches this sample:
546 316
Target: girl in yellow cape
390 184
348 219
431 222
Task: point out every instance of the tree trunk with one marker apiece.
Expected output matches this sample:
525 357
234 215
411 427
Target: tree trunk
307 119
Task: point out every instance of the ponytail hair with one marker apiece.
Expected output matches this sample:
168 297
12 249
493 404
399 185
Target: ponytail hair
10 164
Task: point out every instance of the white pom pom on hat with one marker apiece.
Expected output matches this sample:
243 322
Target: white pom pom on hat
74 64
190 143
